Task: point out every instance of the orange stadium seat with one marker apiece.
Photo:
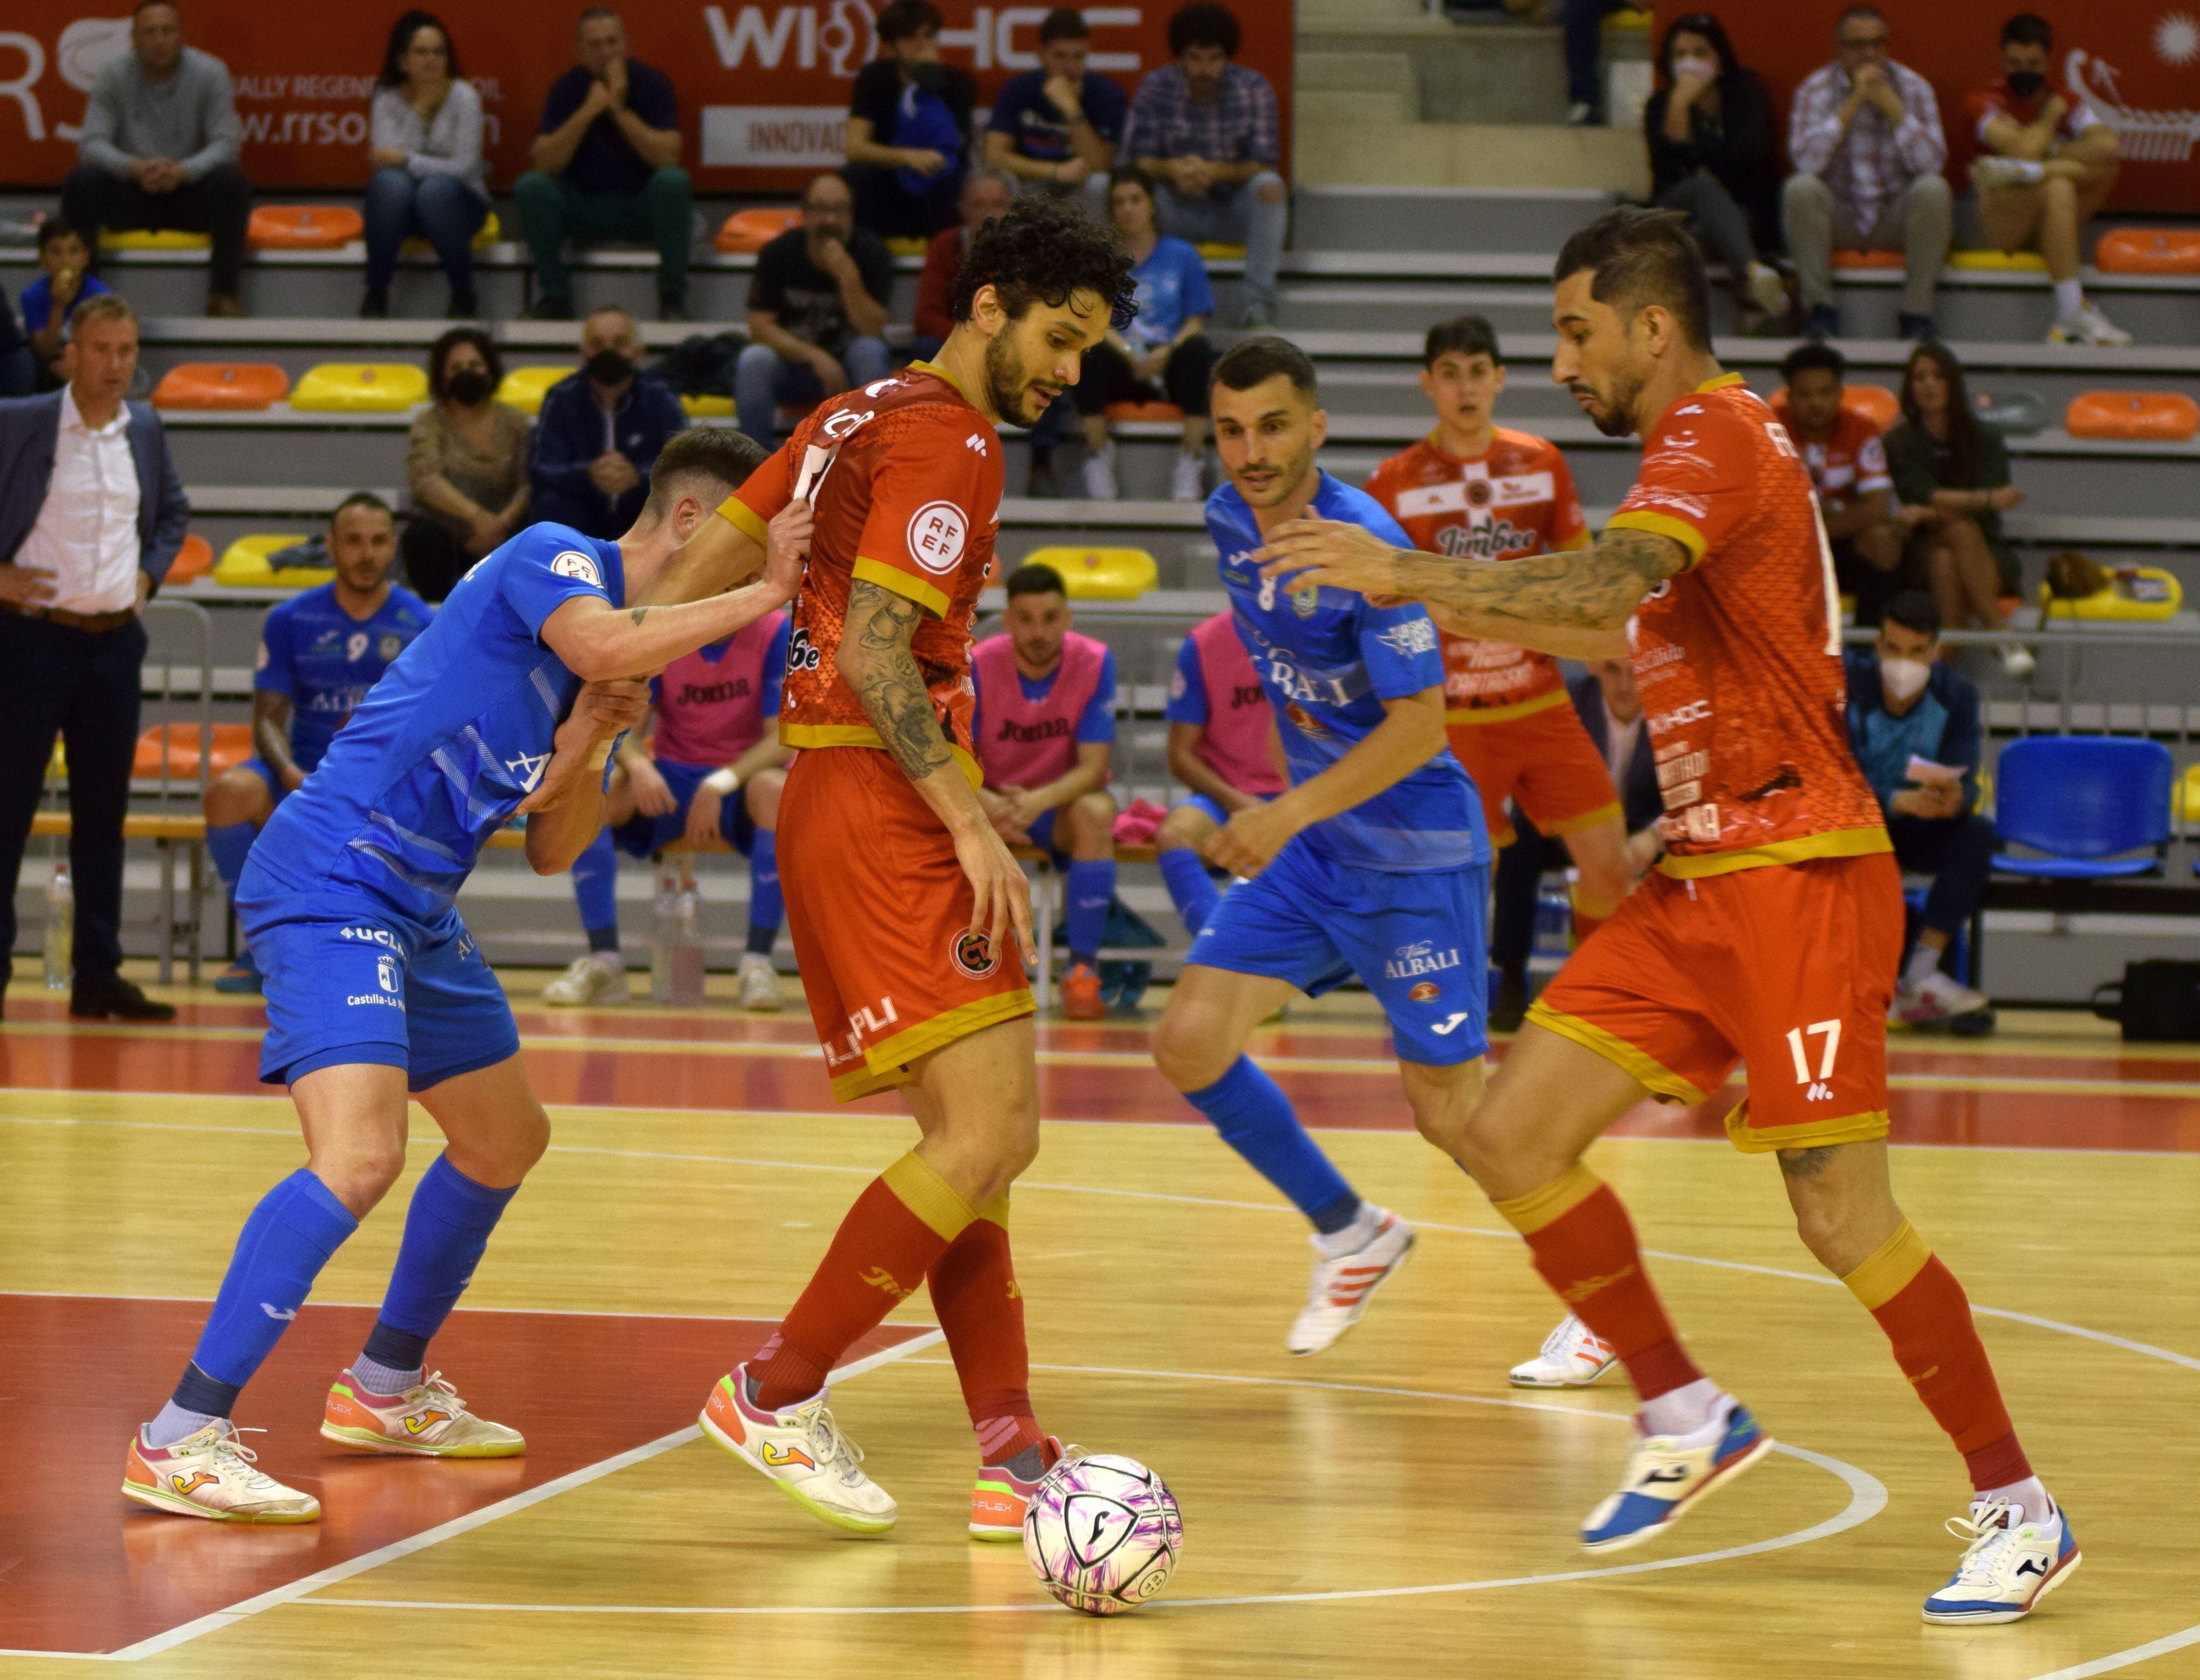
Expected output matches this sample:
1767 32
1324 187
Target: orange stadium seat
304 227
179 743
752 229
1867 259
2149 250
194 559
1120 411
1876 403
221 384
2160 416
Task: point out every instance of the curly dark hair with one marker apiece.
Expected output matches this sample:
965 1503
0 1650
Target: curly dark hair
1042 252
439 357
401 42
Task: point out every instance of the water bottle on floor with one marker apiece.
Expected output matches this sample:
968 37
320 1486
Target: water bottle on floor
687 945
668 928
60 928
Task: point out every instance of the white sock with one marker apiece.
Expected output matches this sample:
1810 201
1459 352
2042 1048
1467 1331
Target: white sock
2028 1494
1690 1409
1335 1244
1924 964
173 1424
2069 298
2029 172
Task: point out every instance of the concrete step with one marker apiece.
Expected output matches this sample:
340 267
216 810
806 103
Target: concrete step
1501 152
1494 72
1397 218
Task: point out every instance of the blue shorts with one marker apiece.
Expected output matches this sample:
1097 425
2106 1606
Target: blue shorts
642 836
1420 943
266 772
1212 807
370 985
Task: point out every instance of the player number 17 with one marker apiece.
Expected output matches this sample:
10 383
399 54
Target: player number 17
1832 1029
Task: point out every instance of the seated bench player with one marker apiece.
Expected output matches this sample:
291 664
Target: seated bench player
717 715
319 653
1222 745
1045 736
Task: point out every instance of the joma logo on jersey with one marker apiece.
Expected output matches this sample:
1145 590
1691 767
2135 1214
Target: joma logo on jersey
710 693
1050 728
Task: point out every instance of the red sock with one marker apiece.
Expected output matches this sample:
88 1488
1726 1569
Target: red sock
1921 1307
900 1225
974 1290
1585 1246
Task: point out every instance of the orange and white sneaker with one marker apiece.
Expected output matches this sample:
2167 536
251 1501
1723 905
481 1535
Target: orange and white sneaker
1080 994
1572 1357
1000 1496
1343 1283
428 1420
212 1473
802 1451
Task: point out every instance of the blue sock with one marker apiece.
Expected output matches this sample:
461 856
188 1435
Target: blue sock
767 909
595 889
297 1226
446 1230
229 846
1254 1118
1091 888
1190 888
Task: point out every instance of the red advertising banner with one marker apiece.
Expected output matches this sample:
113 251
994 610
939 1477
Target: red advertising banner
2135 62
763 87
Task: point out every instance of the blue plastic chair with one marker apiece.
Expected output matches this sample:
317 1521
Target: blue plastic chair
2088 801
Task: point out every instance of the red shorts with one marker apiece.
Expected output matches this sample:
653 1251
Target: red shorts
1546 762
879 911
1788 968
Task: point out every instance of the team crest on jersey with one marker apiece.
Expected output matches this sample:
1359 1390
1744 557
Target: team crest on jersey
1427 991
973 954
936 533
578 567
1306 600
392 645
1478 493
1303 720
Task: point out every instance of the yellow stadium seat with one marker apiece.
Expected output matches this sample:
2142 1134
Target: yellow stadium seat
1216 250
2135 594
486 235
710 407
907 246
360 388
244 564
2185 799
523 387
2028 262
1100 574
151 239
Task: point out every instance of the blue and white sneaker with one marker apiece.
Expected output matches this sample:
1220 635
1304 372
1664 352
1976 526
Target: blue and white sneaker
1669 1473
2009 1565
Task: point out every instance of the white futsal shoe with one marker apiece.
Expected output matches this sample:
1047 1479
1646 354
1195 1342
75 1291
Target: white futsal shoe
1343 1282
803 1452
428 1420
2009 1565
1573 1357
1666 1474
759 983
212 1473
600 977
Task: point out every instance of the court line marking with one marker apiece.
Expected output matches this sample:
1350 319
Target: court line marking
215 1620
1867 1498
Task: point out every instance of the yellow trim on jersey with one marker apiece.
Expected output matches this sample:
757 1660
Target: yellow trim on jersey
1574 825
1892 1266
1860 1128
1503 714
1531 1213
916 1185
1661 524
935 369
1582 540
1720 381
1832 843
943 1029
744 519
896 581
1652 1075
863 734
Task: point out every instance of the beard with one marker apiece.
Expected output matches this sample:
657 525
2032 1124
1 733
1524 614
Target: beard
1617 419
1287 477
1006 384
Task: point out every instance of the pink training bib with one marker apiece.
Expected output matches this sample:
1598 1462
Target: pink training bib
709 712
1026 743
1239 724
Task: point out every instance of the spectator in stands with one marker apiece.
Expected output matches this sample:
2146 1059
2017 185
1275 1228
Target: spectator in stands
1864 135
19 368
65 280
1057 129
91 515
1045 732
466 464
1914 724
1610 711
159 150
1222 747
1205 129
1164 350
908 128
2047 166
817 308
1951 482
1714 154
430 176
319 652
1848 466
599 433
1582 22
606 165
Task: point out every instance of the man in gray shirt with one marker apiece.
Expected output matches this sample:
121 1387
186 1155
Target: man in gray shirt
160 145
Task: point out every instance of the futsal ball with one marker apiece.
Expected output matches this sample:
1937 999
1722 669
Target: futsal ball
1103 1534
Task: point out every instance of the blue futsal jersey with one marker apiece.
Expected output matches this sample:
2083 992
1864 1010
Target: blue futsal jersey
323 660
1328 661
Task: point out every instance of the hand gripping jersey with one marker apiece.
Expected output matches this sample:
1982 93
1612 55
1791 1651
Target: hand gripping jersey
1215 686
713 704
1329 660
1518 499
324 660
905 477
1738 657
436 758
1026 742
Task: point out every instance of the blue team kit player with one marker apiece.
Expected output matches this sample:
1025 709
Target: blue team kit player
1374 863
375 990
319 652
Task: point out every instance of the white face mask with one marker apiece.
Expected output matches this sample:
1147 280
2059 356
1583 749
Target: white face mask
1905 679
1688 64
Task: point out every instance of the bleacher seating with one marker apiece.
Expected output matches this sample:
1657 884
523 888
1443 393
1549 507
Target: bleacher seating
304 227
2092 806
221 384
246 563
2156 416
361 387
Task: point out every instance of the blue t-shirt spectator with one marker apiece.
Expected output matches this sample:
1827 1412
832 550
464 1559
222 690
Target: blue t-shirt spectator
1022 111
38 299
1171 285
605 162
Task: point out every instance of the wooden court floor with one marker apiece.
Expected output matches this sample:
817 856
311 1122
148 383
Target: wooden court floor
1391 1508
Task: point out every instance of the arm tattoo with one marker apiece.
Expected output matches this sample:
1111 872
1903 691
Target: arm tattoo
638 613
1592 588
886 678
